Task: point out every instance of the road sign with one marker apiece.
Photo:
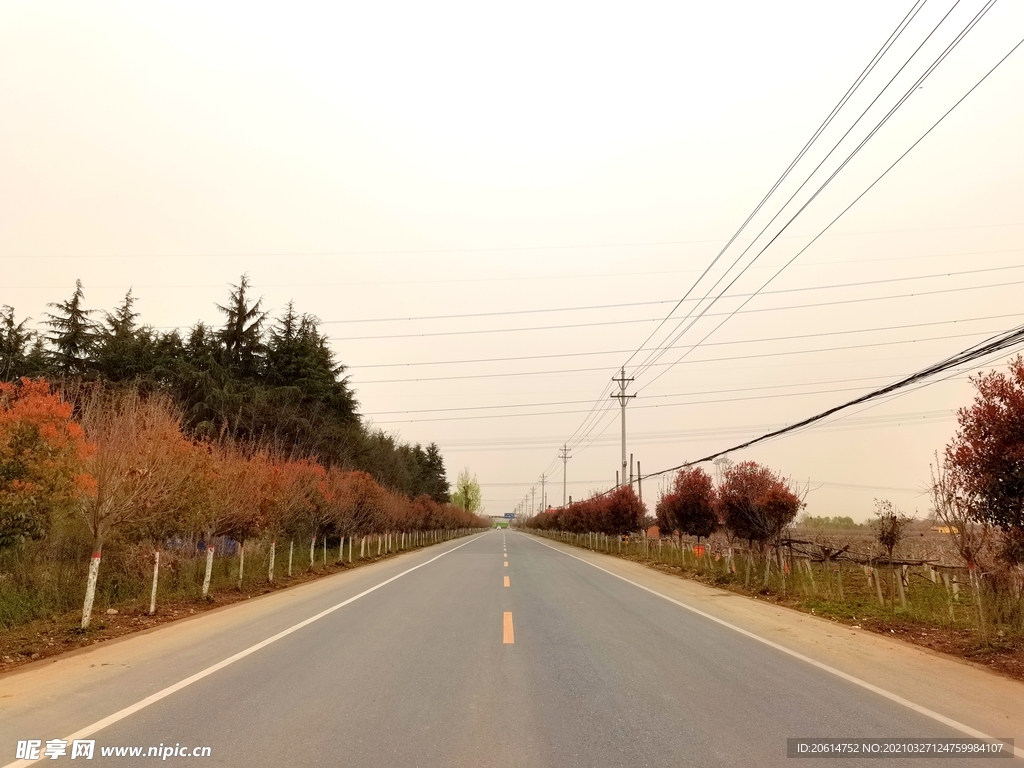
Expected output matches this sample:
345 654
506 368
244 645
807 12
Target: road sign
510 515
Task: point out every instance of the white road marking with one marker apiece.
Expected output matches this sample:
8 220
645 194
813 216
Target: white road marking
954 724
99 725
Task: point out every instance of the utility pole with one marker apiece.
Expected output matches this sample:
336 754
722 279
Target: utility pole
533 499
543 505
623 398
564 456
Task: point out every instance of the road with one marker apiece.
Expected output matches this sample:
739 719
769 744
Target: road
461 655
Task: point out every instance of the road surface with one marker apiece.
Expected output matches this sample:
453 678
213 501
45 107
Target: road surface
500 649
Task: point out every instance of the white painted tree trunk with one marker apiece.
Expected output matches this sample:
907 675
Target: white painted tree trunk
325 550
90 587
241 563
312 549
380 540
291 551
270 570
362 548
350 549
156 574
209 570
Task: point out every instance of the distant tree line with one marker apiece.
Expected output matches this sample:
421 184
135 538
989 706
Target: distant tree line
256 379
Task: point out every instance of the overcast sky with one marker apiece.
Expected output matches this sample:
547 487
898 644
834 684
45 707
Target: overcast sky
383 161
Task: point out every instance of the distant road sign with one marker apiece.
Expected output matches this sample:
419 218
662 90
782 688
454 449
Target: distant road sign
510 515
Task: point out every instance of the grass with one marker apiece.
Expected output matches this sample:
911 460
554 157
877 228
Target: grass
45 578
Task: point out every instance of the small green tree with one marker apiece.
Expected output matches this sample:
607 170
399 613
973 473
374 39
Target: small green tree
467 494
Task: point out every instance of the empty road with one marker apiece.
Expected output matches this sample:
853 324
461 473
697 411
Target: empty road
499 649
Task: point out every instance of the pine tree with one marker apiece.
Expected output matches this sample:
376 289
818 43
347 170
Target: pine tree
241 337
15 339
124 351
437 480
300 357
73 335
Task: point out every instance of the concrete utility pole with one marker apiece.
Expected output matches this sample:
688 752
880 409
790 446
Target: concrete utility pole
564 456
543 505
623 398
533 499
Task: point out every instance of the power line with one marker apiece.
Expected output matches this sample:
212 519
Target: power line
712 344
703 360
880 177
800 155
645 406
650 397
723 343
992 345
917 83
591 307
702 434
712 314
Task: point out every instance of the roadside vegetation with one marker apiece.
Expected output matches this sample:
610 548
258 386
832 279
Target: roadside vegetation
140 468
953 581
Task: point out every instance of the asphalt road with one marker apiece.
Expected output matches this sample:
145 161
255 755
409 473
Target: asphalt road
463 661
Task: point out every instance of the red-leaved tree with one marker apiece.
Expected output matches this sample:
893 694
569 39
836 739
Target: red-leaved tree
985 460
756 503
690 507
41 455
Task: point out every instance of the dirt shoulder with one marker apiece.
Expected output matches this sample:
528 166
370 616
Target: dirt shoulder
1004 656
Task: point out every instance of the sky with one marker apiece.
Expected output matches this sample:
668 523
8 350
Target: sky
492 207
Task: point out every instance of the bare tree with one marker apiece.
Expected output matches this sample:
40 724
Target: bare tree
139 463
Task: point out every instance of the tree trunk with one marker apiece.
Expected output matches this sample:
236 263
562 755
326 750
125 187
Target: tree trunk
312 551
878 587
90 585
291 551
350 549
380 540
341 550
899 583
209 570
241 563
810 573
270 570
362 547
156 574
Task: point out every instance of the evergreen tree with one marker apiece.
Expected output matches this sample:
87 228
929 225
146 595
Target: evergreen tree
300 357
241 337
283 387
437 486
73 335
124 351
15 339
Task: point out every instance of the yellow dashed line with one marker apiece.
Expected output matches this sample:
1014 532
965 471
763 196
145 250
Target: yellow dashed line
508 636
506 582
